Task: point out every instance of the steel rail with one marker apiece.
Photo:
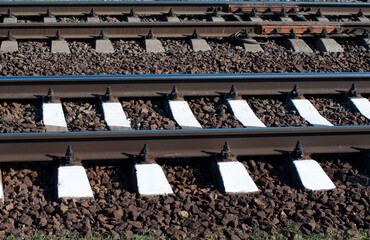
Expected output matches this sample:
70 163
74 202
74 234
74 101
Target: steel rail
182 143
192 7
87 30
187 84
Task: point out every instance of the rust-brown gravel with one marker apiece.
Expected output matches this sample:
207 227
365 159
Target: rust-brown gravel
34 58
275 112
148 114
337 111
83 115
196 208
20 116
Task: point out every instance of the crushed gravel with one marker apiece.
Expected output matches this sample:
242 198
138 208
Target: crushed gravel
148 115
213 113
20 116
34 58
276 112
83 116
196 209
338 112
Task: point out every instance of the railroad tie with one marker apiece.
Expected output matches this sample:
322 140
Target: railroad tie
93 17
9 45
306 109
52 114
181 111
326 44
132 16
1 189
242 110
233 177
153 45
72 179
9 17
308 171
298 45
215 17
59 45
49 17
198 43
171 17
149 178
359 103
103 44
318 16
113 113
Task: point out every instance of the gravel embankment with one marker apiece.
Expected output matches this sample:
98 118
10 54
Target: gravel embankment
195 210
35 58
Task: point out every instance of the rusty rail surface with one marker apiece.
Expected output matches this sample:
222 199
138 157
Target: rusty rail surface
182 143
187 84
180 30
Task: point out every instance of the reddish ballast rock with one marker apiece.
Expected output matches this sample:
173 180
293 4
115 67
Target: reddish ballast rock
20 116
34 58
196 208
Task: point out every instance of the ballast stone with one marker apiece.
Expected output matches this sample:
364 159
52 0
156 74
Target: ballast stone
328 45
244 113
9 46
199 45
73 183
60 46
153 46
115 117
53 117
183 115
235 178
362 105
312 176
103 46
298 45
151 180
309 112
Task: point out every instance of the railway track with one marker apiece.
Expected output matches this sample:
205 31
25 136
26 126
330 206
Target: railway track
244 141
180 20
115 170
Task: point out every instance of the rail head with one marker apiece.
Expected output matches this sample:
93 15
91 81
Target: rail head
182 143
86 86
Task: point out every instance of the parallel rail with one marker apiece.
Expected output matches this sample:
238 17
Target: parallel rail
180 30
191 7
85 30
181 143
187 84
